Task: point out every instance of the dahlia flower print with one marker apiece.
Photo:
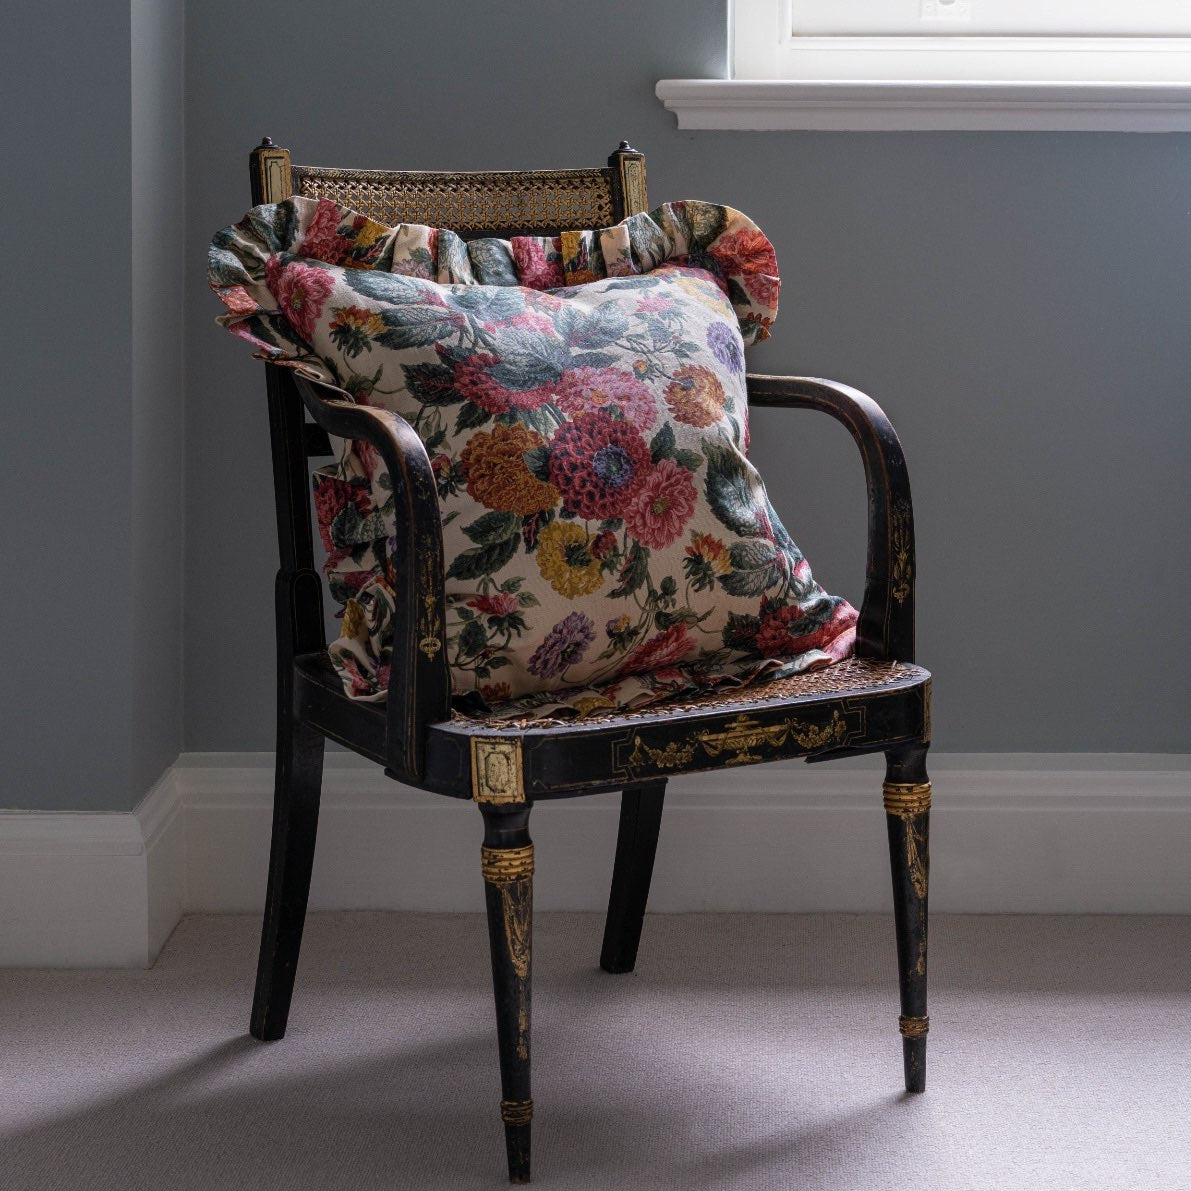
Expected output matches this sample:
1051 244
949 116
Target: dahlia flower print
666 649
695 396
566 559
726 346
565 644
662 505
597 462
300 291
583 407
589 390
497 475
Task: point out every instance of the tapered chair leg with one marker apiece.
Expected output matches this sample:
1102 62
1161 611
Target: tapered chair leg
636 845
907 814
507 865
295 824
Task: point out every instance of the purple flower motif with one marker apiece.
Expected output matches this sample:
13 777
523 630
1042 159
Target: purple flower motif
565 644
725 345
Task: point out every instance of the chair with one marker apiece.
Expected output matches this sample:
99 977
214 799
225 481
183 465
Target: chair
877 701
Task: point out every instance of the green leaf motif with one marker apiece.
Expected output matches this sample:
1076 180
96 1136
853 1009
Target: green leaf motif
728 490
493 527
473 638
736 294
705 220
755 569
482 560
599 327
662 446
413 325
528 361
634 572
471 417
538 462
741 632
594 360
385 287
486 303
691 460
432 384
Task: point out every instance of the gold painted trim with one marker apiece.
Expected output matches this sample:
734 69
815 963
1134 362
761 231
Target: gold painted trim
632 182
502 865
902 563
496 772
275 177
905 799
516 1112
673 756
913 1027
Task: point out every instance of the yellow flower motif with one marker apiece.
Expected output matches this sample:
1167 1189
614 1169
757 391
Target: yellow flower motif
353 621
706 291
369 233
709 549
565 559
586 704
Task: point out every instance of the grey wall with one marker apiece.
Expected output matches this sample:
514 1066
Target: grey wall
90 685
1018 302
158 405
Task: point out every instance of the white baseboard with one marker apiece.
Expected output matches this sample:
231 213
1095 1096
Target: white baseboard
1012 833
92 890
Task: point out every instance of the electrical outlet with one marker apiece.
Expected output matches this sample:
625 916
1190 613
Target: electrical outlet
946 10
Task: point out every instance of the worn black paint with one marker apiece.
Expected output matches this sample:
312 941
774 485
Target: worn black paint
414 737
636 845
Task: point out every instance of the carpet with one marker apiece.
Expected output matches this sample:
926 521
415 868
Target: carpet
748 1051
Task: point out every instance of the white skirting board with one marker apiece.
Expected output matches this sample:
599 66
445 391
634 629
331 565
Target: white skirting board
1011 833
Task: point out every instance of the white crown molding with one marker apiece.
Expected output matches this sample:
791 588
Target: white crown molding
1012 833
892 105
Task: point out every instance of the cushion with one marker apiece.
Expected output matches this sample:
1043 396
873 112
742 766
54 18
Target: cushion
582 399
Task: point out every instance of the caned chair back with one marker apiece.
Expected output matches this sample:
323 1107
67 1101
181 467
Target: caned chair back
478 203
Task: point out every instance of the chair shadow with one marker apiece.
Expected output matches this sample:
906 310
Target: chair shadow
422 1118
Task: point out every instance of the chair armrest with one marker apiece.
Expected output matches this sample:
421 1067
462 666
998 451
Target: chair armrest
419 680
886 627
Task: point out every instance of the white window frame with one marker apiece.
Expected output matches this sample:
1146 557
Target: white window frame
1078 83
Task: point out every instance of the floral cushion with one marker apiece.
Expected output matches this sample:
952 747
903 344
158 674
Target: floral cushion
583 403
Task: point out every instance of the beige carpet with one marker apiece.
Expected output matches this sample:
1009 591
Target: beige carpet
747 1052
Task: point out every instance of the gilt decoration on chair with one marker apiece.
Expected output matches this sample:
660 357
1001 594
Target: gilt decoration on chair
582 400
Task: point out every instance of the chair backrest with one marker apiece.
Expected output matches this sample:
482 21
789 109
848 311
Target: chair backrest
473 204
493 203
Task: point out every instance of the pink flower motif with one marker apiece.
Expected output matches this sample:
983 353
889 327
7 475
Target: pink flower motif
300 291
528 320
745 253
499 603
661 506
322 240
237 299
664 650
537 268
589 390
654 303
473 381
763 289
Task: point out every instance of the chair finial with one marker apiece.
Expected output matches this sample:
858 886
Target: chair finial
625 147
267 142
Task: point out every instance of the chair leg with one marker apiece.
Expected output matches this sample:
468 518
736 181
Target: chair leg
636 844
907 814
295 823
507 865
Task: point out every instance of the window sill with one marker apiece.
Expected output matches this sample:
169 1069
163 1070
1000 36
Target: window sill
903 105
